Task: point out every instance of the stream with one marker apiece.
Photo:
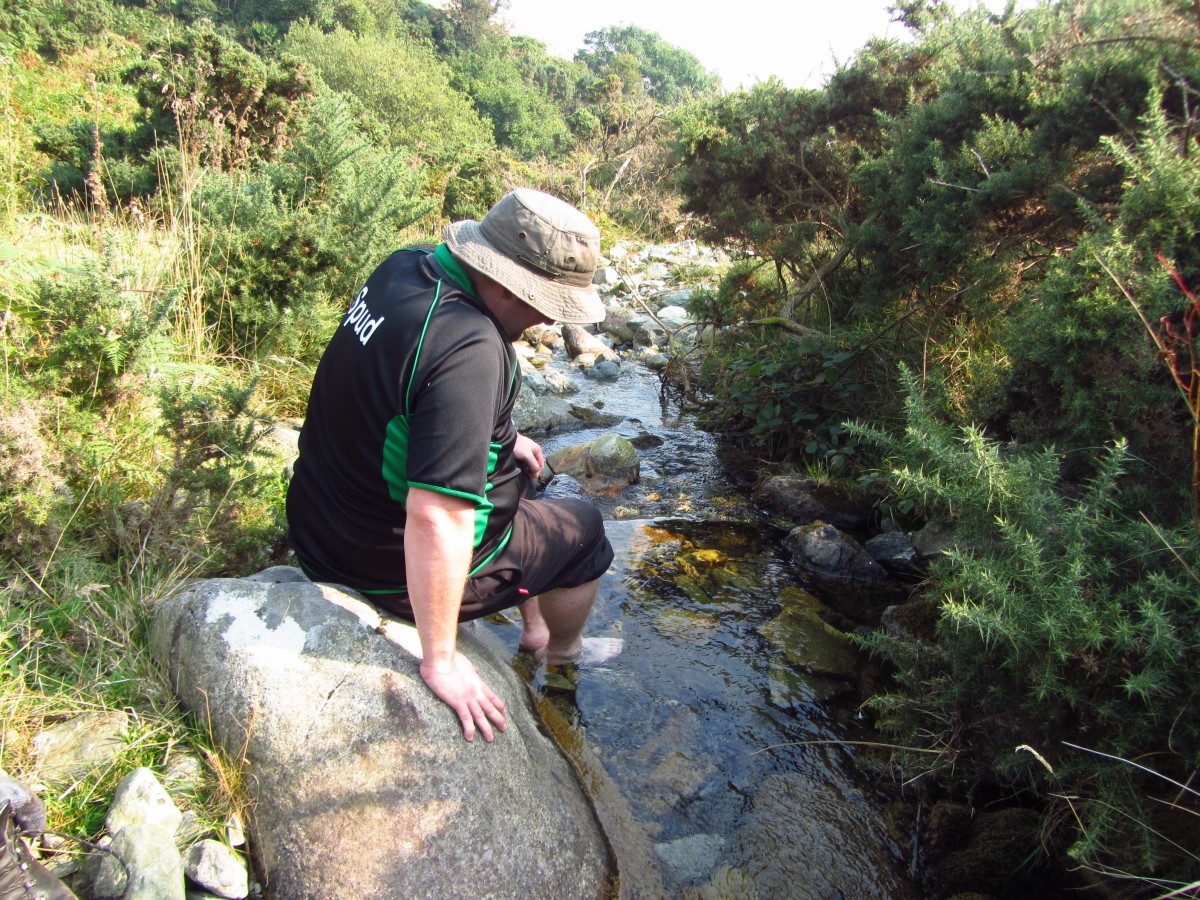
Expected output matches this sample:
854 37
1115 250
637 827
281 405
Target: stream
732 766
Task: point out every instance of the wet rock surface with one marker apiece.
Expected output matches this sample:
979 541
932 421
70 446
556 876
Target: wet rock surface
843 572
603 466
789 847
802 501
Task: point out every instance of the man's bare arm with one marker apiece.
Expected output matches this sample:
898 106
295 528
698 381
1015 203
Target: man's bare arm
438 538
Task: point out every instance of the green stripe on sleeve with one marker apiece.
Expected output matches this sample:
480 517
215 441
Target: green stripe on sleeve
395 459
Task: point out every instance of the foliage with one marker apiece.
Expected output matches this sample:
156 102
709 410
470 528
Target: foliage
643 61
953 203
1083 364
205 92
749 288
1063 618
213 479
74 644
55 27
84 333
788 397
775 169
32 483
402 84
289 241
266 21
524 120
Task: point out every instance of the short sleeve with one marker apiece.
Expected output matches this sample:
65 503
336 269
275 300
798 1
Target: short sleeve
452 415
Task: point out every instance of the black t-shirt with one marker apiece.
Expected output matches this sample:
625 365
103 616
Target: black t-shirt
415 389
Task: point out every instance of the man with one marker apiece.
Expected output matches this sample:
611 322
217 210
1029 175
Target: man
412 481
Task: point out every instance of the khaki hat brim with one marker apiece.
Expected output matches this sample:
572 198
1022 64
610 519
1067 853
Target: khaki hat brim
557 301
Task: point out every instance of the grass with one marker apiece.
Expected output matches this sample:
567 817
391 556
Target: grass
74 618
75 647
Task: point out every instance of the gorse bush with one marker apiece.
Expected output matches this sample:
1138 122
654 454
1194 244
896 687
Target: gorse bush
1083 366
289 241
1065 617
87 331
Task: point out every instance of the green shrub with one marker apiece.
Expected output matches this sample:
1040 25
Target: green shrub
86 331
33 486
290 241
216 101
789 396
1084 367
213 488
1064 618
55 27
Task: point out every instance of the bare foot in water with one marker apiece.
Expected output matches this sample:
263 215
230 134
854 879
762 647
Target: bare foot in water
596 651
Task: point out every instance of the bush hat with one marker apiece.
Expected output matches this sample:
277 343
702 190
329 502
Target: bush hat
539 247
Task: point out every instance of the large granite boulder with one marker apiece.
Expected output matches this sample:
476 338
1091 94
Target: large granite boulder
361 781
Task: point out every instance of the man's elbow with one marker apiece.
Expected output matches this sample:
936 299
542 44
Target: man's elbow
433 510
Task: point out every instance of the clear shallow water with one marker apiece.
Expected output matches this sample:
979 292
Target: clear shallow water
731 760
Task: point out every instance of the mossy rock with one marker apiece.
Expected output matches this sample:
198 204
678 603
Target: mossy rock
806 641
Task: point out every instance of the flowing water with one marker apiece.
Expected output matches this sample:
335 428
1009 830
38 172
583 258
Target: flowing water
733 770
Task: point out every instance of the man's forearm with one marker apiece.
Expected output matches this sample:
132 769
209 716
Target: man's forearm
438 539
437 554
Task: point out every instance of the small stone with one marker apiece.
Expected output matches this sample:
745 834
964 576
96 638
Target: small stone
217 869
235 831
81 745
141 800
153 865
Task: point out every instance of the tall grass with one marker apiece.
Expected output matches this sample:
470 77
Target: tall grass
115 494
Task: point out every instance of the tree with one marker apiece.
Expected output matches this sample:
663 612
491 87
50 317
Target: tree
403 85
666 73
524 119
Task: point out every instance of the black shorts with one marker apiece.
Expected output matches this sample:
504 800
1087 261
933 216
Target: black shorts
554 544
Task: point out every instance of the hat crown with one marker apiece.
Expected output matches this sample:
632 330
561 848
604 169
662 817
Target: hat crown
544 234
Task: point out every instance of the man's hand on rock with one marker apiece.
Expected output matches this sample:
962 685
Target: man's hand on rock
458 685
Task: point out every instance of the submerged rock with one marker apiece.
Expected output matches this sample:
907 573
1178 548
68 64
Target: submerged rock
807 839
806 641
690 858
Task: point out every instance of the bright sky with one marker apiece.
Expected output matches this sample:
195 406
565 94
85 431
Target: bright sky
744 41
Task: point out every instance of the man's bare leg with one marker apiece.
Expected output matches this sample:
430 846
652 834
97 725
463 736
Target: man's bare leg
553 623
534 632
